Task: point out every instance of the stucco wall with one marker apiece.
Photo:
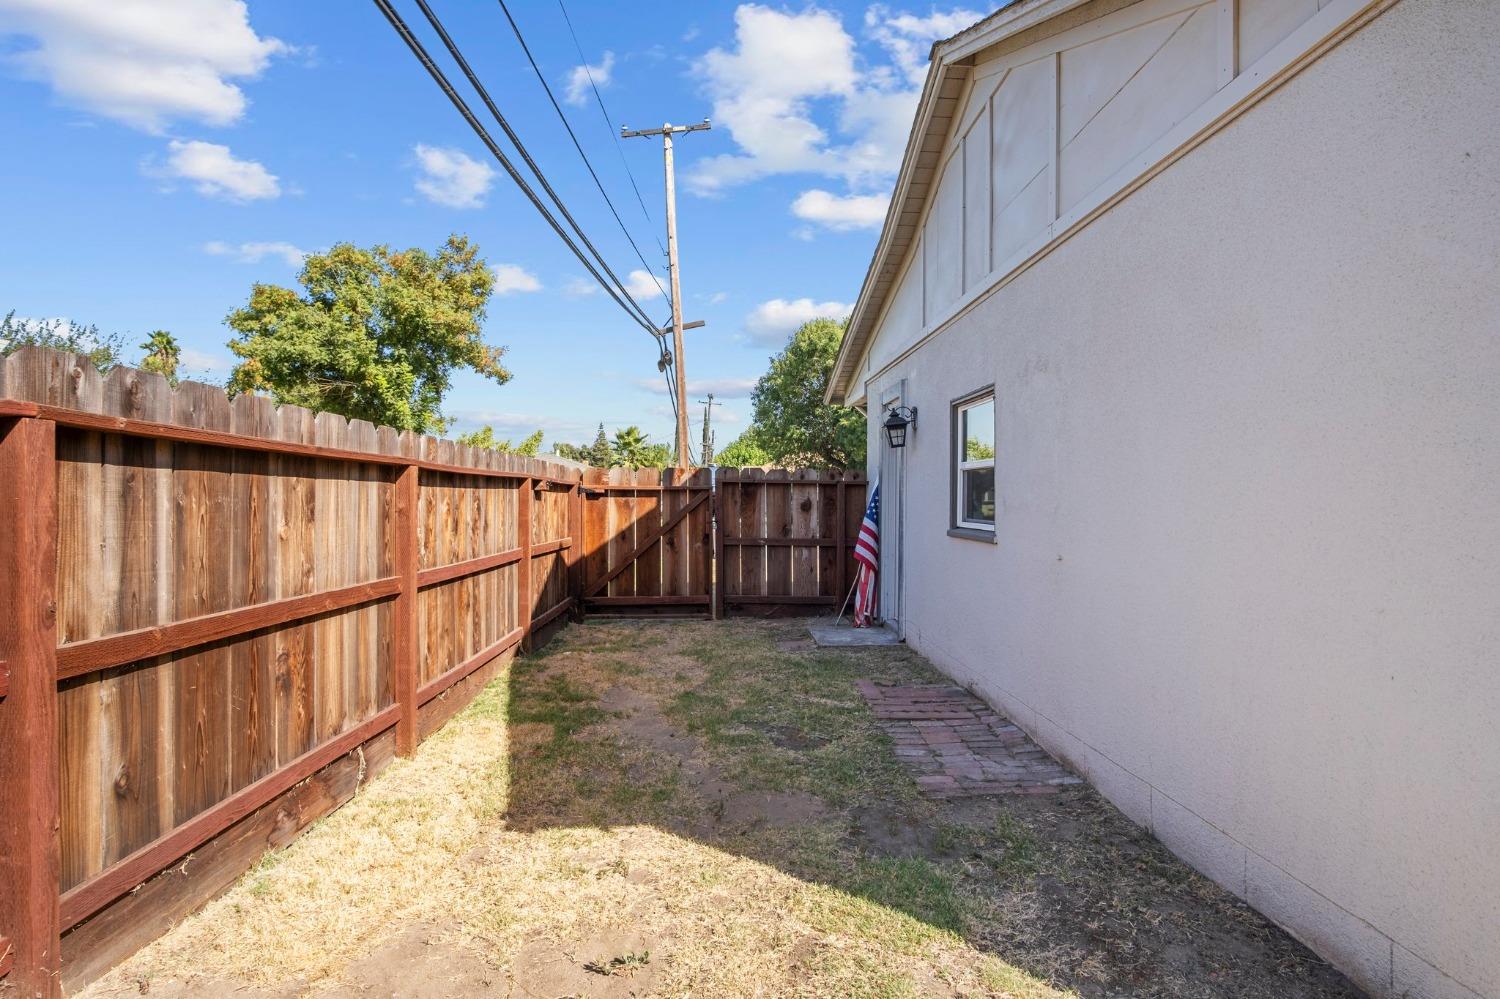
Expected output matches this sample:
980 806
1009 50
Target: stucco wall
1248 570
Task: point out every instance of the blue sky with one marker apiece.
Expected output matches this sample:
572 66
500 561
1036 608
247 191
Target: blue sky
163 155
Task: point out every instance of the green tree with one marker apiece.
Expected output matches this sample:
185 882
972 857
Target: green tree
101 349
655 456
162 355
745 450
573 452
375 335
628 447
790 421
485 437
601 454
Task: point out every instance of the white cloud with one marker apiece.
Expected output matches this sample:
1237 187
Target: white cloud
201 361
142 62
762 89
578 89
908 38
772 322
580 287
512 278
254 253
452 178
717 297
853 211
797 96
722 388
642 285
520 425
216 173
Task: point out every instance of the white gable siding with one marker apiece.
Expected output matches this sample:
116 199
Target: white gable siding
1050 129
976 157
942 243
1124 91
1021 178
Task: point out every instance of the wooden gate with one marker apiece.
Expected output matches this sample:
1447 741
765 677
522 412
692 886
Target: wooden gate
648 541
756 541
785 539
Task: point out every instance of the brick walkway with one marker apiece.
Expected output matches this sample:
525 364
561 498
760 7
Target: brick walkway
957 746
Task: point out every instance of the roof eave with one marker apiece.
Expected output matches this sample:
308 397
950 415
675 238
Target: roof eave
947 58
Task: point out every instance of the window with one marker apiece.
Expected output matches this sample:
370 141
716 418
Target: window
974 464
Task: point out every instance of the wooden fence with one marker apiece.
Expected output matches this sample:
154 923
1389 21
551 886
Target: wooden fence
218 617
209 605
786 538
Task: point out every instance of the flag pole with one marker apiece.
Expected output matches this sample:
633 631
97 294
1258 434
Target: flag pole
845 605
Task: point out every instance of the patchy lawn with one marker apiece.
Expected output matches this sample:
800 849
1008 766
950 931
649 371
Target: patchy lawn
675 808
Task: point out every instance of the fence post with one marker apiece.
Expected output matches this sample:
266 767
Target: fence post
716 563
405 651
579 547
524 599
841 532
30 862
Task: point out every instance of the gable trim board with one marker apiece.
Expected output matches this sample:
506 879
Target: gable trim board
930 150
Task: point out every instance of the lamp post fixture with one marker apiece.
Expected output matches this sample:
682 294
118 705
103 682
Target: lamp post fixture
896 422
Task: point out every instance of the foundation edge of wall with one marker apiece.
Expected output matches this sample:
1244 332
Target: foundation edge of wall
1373 960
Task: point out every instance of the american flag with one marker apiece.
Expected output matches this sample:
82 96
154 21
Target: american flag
867 556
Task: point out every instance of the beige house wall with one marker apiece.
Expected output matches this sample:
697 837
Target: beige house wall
1247 577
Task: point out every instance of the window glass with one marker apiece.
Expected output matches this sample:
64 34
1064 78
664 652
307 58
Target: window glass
974 467
979 431
979 494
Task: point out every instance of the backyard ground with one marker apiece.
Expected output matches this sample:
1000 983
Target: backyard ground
711 809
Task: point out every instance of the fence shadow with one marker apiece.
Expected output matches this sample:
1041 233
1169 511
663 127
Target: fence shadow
733 742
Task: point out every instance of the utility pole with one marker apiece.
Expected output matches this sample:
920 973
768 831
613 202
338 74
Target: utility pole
708 436
666 132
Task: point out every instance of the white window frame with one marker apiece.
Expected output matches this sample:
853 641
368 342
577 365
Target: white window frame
961 406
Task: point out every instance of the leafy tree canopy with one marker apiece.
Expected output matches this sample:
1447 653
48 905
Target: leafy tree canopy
529 447
375 335
102 349
790 422
745 450
162 355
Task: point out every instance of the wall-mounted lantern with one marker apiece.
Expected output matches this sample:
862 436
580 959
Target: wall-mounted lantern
896 422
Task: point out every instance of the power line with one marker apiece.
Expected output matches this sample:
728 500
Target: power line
484 95
438 77
608 122
542 79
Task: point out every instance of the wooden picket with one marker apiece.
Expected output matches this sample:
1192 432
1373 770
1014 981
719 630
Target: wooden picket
648 541
785 538
218 617
245 595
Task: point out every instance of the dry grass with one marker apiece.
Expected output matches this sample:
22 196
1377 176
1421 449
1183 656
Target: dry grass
678 808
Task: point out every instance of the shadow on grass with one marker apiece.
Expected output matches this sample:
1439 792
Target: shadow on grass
763 832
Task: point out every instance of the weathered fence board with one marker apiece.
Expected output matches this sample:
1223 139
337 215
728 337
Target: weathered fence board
209 604
649 540
244 595
787 538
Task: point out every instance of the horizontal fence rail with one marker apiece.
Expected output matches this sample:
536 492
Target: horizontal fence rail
210 607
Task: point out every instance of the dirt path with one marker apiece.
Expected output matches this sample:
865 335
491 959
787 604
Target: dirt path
664 809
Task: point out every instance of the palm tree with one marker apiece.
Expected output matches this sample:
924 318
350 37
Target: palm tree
629 447
162 355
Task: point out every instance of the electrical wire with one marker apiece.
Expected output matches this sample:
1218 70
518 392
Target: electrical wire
484 95
608 122
438 77
562 116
